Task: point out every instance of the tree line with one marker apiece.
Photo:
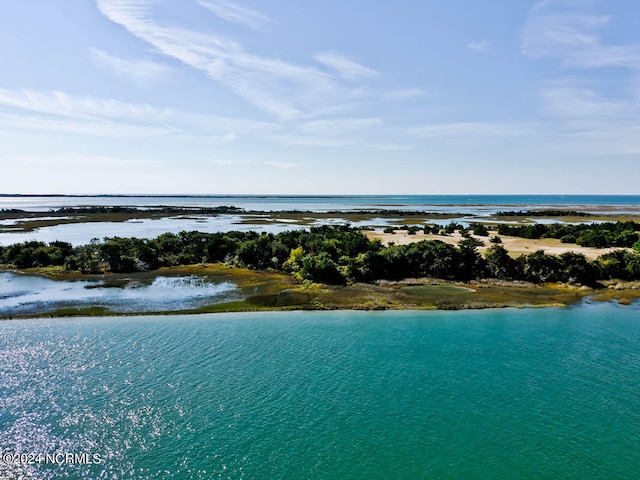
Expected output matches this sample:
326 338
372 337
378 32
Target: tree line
599 235
327 254
542 213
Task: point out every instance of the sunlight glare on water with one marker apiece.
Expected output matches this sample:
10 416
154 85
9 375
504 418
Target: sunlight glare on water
21 293
495 394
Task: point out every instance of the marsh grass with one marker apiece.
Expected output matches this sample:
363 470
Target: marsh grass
268 291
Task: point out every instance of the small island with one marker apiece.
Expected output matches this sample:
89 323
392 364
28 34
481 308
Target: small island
338 267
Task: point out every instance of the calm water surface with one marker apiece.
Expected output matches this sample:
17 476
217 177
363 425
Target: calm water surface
485 203
494 394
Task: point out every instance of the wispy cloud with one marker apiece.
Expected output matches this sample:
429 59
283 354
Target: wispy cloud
405 94
58 112
343 65
340 126
79 160
62 104
86 114
479 46
27 124
471 129
333 132
231 163
284 90
590 122
588 119
570 100
141 72
283 165
235 13
570 31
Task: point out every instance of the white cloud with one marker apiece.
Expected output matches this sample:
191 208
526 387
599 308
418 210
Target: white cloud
77 160
141 72
62 104
590 123
26 124
333 132
479 46
344 66
90 115
588 118
235 13
57 112
471 129
231 163
284 90
405 94
389 147
339 126
569 31
565 99
283 165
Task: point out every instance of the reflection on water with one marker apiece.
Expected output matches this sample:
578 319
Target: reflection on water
23 295
82 233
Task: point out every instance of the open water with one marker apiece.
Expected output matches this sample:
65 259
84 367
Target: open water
494 394
440 203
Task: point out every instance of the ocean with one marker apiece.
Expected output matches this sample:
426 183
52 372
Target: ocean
493 394
473 203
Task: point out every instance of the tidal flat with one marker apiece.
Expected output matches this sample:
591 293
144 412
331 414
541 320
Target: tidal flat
80 225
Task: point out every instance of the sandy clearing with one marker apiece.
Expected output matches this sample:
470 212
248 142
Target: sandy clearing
515 245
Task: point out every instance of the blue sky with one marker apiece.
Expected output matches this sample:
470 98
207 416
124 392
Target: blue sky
415 97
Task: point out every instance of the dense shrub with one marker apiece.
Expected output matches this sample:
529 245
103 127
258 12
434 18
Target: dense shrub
332 255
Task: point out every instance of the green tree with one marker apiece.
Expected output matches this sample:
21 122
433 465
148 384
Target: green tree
321 268
499 264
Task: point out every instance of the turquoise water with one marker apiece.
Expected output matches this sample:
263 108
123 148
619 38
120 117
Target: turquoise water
494 394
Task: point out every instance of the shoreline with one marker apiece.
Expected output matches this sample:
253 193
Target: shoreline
274 290
267 291
91 314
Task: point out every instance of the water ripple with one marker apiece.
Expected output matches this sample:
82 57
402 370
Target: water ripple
531 394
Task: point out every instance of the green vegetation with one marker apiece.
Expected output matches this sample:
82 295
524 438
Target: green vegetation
600 235
226 209
329 255
543 213
479 229
163 210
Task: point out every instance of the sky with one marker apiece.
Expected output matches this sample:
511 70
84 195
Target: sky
320 97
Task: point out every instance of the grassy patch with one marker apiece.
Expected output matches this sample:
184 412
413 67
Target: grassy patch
264 291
